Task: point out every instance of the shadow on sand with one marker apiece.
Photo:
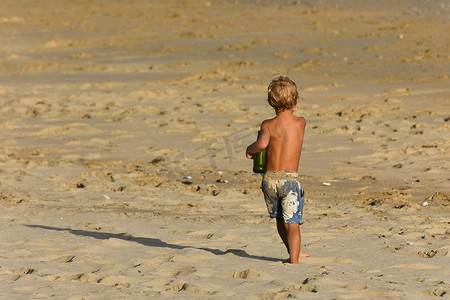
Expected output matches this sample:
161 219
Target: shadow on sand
151 242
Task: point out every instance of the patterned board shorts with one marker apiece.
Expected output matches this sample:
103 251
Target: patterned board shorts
284 196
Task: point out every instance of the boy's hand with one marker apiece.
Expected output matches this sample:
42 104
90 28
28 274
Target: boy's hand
248 154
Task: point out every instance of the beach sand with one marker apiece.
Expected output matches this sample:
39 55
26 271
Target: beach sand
123 127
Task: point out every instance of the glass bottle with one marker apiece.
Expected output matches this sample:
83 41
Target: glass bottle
259 160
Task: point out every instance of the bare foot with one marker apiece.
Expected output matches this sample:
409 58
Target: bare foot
303 254
288 260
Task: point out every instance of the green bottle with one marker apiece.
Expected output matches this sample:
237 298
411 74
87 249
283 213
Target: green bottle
259 160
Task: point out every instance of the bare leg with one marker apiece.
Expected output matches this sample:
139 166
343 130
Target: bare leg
291 237
282 232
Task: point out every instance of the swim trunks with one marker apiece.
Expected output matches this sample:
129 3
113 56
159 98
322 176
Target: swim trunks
284 196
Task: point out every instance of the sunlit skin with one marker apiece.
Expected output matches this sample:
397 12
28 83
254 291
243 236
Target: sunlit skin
283 138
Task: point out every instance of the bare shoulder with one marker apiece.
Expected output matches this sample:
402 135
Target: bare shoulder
301 121
267 123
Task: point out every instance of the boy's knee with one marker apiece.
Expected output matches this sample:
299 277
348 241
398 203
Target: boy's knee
292 227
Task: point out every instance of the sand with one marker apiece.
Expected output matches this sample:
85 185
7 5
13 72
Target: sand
123 127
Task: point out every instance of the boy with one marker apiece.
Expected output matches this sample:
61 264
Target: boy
283 138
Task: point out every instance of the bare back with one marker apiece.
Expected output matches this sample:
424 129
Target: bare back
285 144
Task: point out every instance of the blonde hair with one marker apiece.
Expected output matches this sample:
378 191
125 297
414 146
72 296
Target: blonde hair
282 93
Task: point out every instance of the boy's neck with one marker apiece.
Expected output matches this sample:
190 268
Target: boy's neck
286 112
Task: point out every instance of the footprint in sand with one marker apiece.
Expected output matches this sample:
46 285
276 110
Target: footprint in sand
181 287
184 271
115 281
249 273
326 260
78 277
65 259
24 271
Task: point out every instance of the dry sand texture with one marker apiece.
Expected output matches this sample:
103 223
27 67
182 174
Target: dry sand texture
123 126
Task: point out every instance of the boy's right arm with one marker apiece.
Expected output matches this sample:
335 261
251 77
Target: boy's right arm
261 143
